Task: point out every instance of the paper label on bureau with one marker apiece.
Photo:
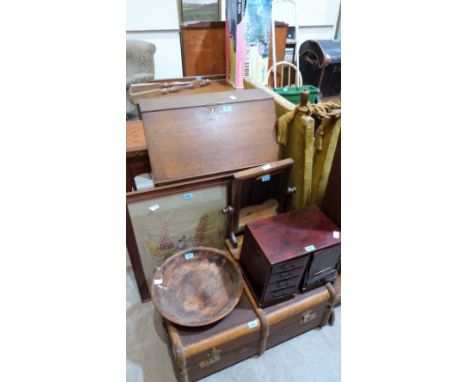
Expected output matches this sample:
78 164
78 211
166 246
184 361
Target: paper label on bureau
188 196
309 248
227 108
252 324
188 256
265 178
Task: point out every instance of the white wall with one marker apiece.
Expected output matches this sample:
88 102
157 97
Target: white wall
146 15
168 56
316 19
157 21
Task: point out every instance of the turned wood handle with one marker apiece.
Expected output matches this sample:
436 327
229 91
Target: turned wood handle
305 98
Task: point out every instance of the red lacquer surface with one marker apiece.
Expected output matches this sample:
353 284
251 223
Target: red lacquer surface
286 236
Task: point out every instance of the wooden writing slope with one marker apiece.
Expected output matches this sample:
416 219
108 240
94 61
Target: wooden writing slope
205 134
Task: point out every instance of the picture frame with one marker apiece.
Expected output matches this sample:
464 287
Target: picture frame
200 10
165 220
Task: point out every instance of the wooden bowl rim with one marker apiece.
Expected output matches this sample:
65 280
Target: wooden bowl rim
236 297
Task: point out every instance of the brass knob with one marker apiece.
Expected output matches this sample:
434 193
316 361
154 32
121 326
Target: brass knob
228 210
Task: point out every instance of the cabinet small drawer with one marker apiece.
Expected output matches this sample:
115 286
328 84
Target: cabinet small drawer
285 275
282 284
290 265
279 294
320 278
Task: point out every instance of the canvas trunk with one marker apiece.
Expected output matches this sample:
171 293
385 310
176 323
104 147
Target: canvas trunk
247 331
199 352
293 317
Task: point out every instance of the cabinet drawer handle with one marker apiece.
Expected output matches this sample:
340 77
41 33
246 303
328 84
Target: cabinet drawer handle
280 294
283 283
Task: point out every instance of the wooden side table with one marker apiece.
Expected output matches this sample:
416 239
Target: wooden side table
137 153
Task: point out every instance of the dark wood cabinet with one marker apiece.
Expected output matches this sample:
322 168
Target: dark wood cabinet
331 204
322 268
288 253
137 153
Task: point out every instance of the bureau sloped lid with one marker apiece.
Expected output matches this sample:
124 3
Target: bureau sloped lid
196 135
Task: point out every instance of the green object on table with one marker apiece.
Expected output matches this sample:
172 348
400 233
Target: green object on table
293 93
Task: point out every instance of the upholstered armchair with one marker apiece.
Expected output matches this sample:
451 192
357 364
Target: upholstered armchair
140 66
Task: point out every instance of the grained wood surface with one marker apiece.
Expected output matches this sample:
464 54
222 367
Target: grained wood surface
207 99
176 188
134 255
266 169
137 154
278 253
295 307
195 341
138 161
203 47
284 321
222 135
215 85
286 235
253 197
135 137
197 286
233 337
258 211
